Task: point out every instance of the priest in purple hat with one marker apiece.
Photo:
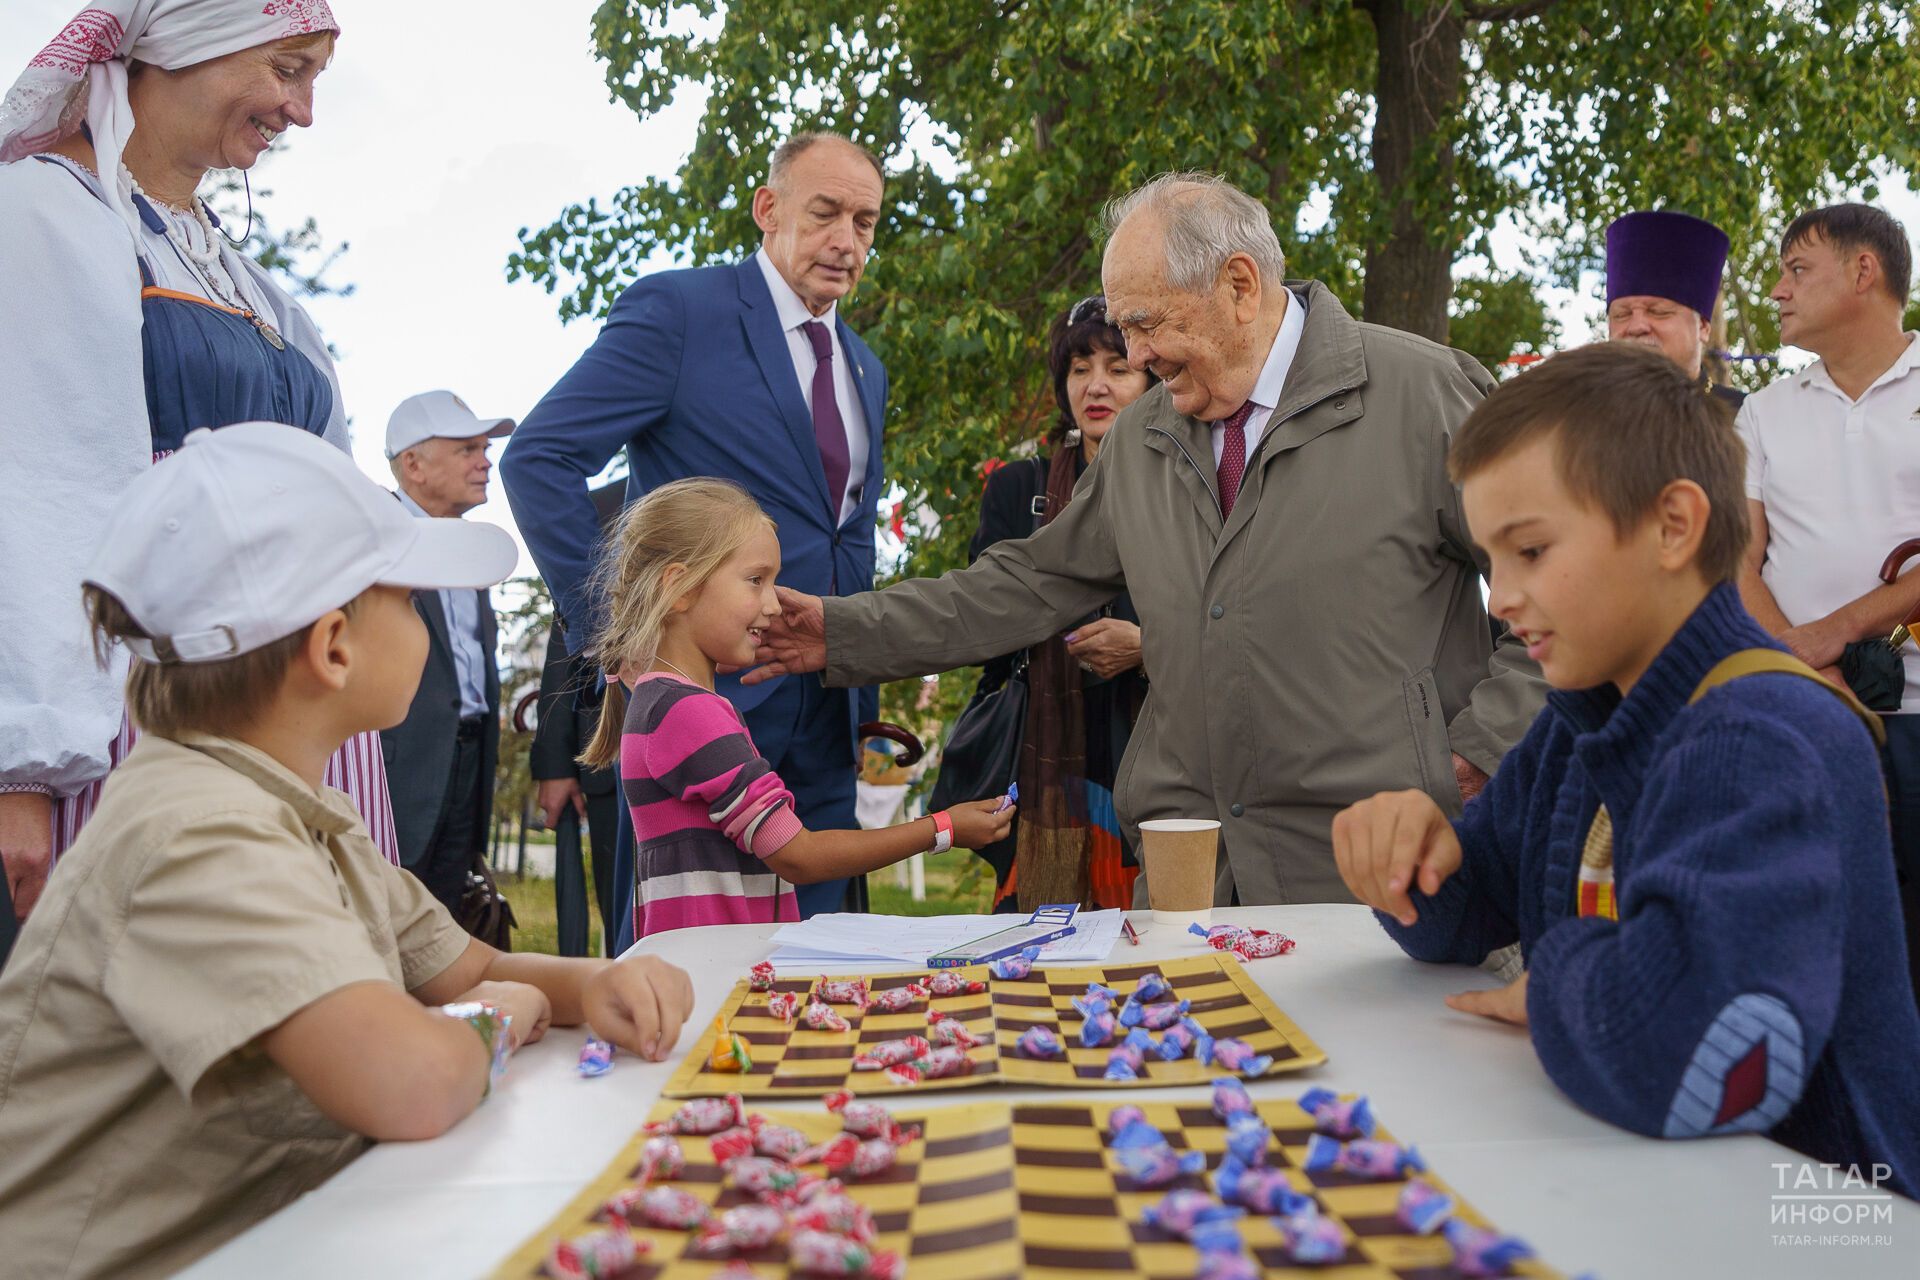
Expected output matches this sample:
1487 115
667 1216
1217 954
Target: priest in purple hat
1663 277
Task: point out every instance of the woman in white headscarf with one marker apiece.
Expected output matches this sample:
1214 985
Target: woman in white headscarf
128 319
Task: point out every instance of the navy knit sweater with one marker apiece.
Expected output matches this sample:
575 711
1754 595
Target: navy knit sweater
1756 980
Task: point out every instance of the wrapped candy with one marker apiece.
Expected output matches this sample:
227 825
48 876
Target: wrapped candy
1158 1164
1181 1210
835 1212
1228 932
851 991
704 1115
729 1052
823 1017
761 1138
596 1057
768 1180
953 1031
1098 999
1480 1252
898 999
1217 1235
1337 1117
1040 1043
848 1156
1230 1099
1015 967
1234 1055
1259 944
1178 1039
949 1060
740 1229
1128 1127
1248 1138
1128 1059
1260 1189
1154 1017
1152 986
660 1157
1227 1266
1313 1240
1363 1158
760 977
948 982
867 1119
784 1005
820 1253
1097 1029
596 1257
670 1207
890 1053
1422 1207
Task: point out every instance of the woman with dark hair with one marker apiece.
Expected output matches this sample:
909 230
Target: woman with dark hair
1085 688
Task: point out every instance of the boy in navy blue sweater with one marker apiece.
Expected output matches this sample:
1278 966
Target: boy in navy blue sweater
1700 881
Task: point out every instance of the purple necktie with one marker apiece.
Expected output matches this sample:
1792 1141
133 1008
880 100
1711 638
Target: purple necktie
829 430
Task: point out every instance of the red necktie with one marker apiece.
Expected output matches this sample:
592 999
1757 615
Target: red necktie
1233 457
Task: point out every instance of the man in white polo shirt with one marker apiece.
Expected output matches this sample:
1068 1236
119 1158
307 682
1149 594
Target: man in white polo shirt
1833 476
440 759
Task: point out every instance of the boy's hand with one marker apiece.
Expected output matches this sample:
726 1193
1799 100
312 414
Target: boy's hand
527 1003
639 1004
976 825
1507 1004
1382 844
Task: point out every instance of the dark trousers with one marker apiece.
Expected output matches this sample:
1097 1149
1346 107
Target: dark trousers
603 835
1901 758
461 832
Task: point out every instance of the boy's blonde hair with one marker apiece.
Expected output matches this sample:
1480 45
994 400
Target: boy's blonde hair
172 698
698 524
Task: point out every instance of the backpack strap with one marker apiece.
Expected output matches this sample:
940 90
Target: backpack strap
1754 662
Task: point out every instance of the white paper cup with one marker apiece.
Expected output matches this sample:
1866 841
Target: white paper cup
1178 855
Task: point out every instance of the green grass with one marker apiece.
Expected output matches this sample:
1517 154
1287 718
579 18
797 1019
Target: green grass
957 884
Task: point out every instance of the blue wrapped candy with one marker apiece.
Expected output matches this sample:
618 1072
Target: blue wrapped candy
1260 1189
1151 987
1313 1240
1015 967
1128 1060
1158 1164
1181 1210
1234 1055
1217 1236
1040 1043
1248 1138
1422 1207
1480 1252
1227 1266
1124 1119
1230 1098
1098 999
1154 1017
1337 1117
1097 1029
1178 1039
1363 1158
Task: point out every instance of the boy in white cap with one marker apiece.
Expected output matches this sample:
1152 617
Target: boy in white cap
441 758
227 991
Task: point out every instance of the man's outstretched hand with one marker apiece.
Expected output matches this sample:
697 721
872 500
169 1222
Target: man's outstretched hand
794 642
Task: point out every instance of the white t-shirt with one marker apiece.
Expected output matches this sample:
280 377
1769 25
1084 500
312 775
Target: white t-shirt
1840 480
793 313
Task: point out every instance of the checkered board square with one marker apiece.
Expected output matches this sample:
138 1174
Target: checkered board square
792 1061
1080 1215
948 1207
1035 1191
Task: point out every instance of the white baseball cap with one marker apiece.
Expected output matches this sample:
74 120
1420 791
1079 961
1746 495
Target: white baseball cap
438 414
252 532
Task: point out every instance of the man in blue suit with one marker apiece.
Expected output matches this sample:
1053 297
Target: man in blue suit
744 372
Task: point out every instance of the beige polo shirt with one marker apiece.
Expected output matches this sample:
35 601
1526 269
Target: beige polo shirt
212 896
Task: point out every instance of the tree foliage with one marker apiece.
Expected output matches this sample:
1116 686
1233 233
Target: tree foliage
1006 124
301 256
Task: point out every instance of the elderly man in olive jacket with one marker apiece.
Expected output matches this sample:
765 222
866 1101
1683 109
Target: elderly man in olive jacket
1280 511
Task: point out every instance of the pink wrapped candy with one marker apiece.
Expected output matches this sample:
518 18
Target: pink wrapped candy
759 1137
899 999
851 991
948 982
670 1207
823 1017
784 1005
704 1115
950 1060
836 1213
739 1229
1040 1043
760 977
820 1253
661 1158
848 1156
1259 944
867 1119
953 1031
890 1053
596 1057
768 1180
596 1257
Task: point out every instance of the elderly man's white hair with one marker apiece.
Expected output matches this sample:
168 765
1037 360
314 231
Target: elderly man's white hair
1207 220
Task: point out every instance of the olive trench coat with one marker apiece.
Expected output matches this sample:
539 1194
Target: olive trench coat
1325 642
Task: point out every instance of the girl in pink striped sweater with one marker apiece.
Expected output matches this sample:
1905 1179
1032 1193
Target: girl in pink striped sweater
688 585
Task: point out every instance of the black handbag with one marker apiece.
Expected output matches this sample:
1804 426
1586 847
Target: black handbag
981 757
1875 672
484 911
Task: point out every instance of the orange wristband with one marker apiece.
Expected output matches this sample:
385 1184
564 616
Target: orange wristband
942 831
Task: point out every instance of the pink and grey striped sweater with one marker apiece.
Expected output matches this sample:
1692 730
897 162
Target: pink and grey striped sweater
706 809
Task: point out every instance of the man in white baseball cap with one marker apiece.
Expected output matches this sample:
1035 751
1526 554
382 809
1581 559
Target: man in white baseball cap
247 980
441 758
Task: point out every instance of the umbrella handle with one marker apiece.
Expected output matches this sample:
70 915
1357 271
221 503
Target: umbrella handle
1890 570
895 733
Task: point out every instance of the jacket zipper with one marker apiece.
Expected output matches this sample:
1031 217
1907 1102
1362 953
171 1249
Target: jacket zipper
1189 457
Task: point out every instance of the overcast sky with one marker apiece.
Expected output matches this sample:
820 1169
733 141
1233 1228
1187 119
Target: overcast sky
439 132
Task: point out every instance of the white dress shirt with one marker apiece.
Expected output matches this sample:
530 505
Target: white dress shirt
1272 380
461 609
793 313
1840 480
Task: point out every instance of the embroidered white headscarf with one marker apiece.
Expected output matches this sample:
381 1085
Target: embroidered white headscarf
82 74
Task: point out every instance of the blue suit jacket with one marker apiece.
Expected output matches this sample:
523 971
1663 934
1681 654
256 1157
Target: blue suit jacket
691 376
